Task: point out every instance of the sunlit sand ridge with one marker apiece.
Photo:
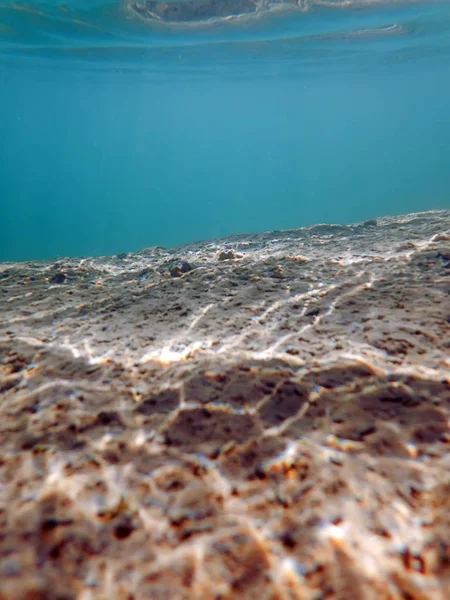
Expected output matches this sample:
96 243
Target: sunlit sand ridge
264 416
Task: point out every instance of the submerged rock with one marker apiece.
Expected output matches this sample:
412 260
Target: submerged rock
179 268
58 278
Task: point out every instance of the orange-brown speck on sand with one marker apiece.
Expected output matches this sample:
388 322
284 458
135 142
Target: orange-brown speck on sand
230 432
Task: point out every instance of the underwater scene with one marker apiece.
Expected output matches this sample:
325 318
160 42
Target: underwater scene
224 300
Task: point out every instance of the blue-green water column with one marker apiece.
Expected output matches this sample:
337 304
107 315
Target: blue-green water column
94 165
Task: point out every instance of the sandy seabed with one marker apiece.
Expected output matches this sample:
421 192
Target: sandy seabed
260 417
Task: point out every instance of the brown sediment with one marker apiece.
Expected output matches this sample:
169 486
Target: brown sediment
271 423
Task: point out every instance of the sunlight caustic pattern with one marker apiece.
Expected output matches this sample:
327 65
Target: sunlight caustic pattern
265 416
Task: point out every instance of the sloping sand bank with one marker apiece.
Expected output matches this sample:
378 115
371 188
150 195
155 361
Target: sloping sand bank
265 416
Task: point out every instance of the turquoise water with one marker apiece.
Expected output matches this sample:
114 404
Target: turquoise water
117 133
